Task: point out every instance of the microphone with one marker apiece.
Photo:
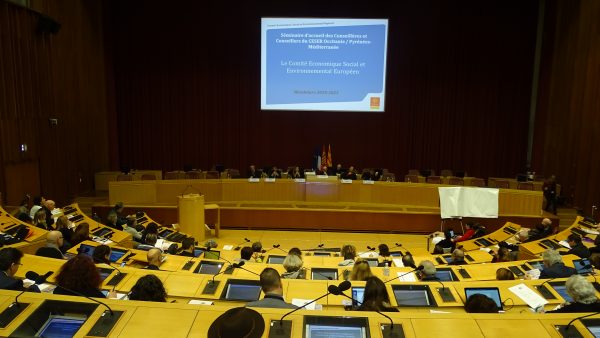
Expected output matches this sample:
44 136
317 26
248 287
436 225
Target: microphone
331 289
211 286
391 334
240 264
35 276
580 317
320 245
37 279
237 247
119 273
445 293
220 272
276 246
418 268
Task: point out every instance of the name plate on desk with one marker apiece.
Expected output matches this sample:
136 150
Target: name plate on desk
253 180
369 182
322 176
269 180
300 180
346 181
309 173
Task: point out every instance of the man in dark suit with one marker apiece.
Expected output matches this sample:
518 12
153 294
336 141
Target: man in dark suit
350 174
270 283
10 261
577 247
252 172
54 241
554 266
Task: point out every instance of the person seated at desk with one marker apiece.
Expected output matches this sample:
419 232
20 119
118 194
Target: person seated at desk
239 322
384 255
470 226
296 173
348 252
479 303
252 172
504 274
270 282
54 241
338 169
274 172
542 230
39 220
151 228
101 254
428 272
187 247
292 264
118 210
376 297
323 171
360 271
458 257
111 221
155 258
520 237
583 294
38 202
447 244
245 255
149 289
295 251
554 266
129 227
10 261
257 251
150 243
81 233
577 247
408 261
350 174
78 276
65 227
502 255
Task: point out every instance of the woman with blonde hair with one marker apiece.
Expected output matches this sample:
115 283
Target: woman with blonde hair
361 270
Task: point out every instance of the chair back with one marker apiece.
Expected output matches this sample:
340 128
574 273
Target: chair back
124 177
456 181
148 177
525 186
434 179
411 178
212 175
446 173
477 182
502 184
193 175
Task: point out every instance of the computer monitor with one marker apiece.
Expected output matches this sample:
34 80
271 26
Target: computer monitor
320 253
490 292
444 275
561 289
212 254
484 242
396 253
165 233
198 251
358 294
86 249
447 258
583 266
550 244
116 254
323 274
60 326
208 267
104 273
241 290
102 232
373 262
593 325
273 259
327 327
413 295
537 265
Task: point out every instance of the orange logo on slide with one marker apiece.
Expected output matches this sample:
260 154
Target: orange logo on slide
375 102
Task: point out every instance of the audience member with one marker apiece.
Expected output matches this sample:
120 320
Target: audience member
293 267
458 257
479 303
295 251
348 252
503 255
470 226
38 202
257 251
187 247
384 252
118 210
64 226
151 228
270 283
101 254
428 272
155 258
408 260
549 188
10 261
48 207
246 254
148 288
554 267
447 244
54 241
239 322
82 233
577 247
79 275
504 274
129 227
583 294
376 297
360 271
111 220
39 220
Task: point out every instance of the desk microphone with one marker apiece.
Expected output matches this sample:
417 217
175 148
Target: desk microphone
418 268
276 246
36 281
237 247
331 289
391 333
119 272
397 245
220 272
580 317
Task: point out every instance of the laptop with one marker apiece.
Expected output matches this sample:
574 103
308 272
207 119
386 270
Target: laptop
491 292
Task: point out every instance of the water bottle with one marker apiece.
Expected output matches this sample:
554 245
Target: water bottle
386 269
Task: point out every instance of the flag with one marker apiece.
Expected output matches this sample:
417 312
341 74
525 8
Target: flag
329 161
323 157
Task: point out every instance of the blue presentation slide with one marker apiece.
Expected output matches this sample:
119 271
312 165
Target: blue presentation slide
323 64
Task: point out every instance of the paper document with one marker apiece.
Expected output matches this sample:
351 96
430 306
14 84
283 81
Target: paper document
485 249
300 302
368 254
411 277
534 273
200 302
227 247
398 262
565 244
590 231
529 296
